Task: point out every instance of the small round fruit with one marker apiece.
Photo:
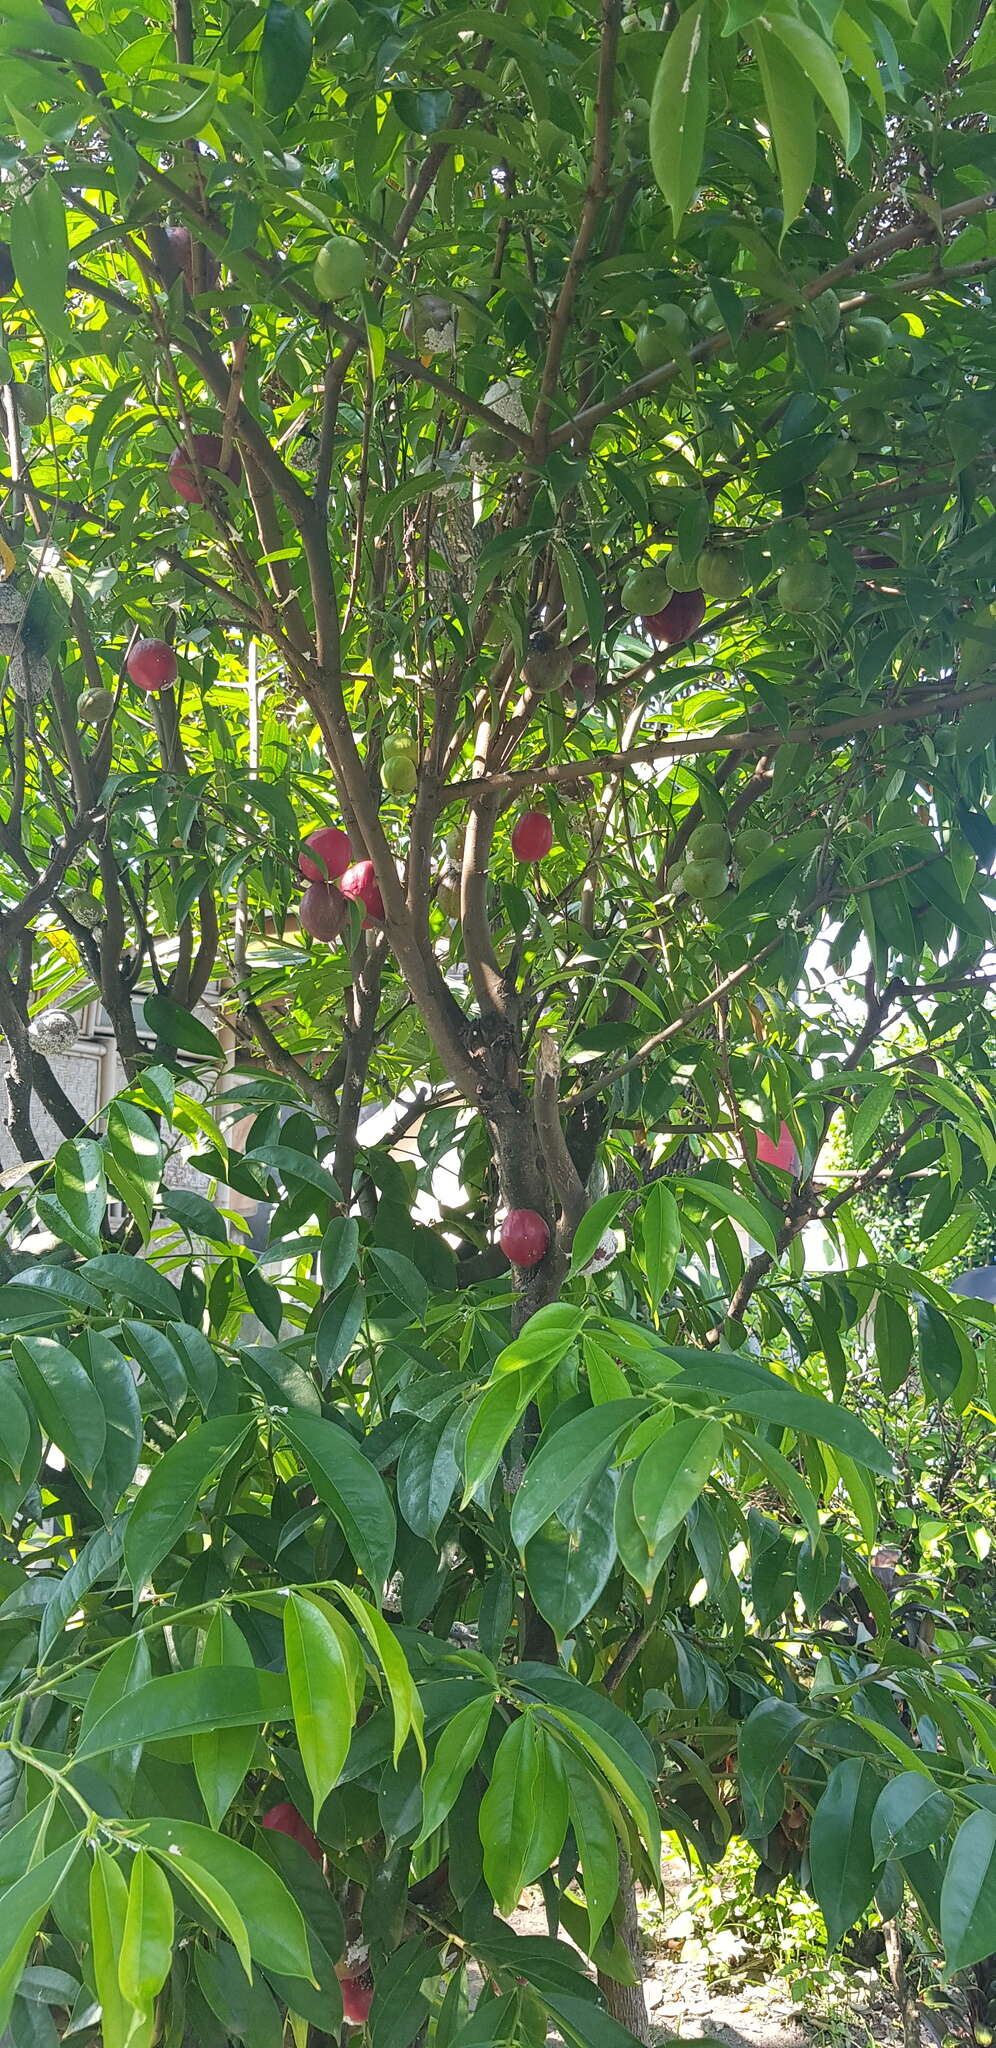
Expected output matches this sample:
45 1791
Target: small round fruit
781 1153
678 620
869 427
532 836
284 1819
454 845
208 450
333 854
841 460
400 743
86 909
323 912
705 879
448 894
151 665
945 740
709 842
660 334
674 880
868 337
54 1031
825 309
32 404
359 883
545 665
805 586
581 687
178 260
645 590
357 1998
94 707
751 843
341 267
524 1237
720 575
399 774
682 575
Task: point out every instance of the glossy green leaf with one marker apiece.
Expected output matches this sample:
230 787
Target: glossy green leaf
344 1478
64 1398
222 1756
147 1939
188 1703
968 1894
274 1922
167 1502
671 1474
40 248
284 55
910 1814
841 1857
679 109
566 1460
325 1671
457 1749
179 1027
108 1901
25 1905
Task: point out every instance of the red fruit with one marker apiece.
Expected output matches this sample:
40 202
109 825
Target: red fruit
151 665
332 846
182 474
532 836
680 618
782 1154
357 1998
323 912
284 1819
360 884
180 259
524 1237
582 684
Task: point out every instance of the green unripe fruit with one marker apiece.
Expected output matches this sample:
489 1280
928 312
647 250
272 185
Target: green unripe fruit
341 267
751 843
400 743
841 460
399 774
486 445
682 575
448 895
805 587
86 909
32 404
709 842
869 426
826 314
944 740
674 880
660 334
94 707
720 574
646 590
868 337
978 655
454 845
706 879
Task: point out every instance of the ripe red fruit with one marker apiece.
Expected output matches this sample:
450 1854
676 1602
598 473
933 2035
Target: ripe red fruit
182 474
151 665
581 687
284 1819
357 1998
783 1154
323 912
532 836
524 1237
360 884
678 620
332 846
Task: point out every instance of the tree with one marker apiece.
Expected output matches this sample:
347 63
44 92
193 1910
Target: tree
555 452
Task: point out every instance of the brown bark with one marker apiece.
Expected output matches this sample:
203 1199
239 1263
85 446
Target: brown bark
627 2002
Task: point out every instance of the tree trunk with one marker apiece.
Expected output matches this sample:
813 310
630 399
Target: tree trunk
627 2002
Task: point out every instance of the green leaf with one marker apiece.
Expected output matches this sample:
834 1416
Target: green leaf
791 119
325 1670
421 112
784 1476
815 57
187 1703
147 1940
618 1769
133 1156
344 1478
284 56
405 1703
39 244
592 1228
940 1353
770 1731
524 1811
661 1226
893 1342
402 1279
64 1399
566 1460
222 1756
671 1474
178 1027
337 1255
567 1568
679 109
729 1203
591 1812
910 1814
166 1504
968 1894
15 1422
136 1281
160 1361
868 1116
840 1845
96 1558
25 1906
456 1751
108 1909
211 1893
748 1388
81 1190
428 1473
274 1923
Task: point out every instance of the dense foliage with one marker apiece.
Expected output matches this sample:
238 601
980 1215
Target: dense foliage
554 447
